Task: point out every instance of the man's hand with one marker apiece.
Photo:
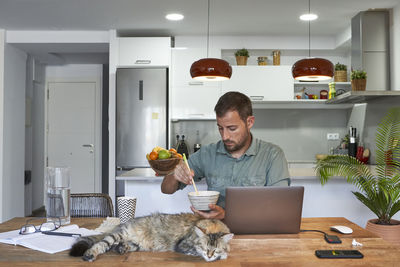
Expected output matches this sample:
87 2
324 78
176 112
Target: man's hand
182 173
171 181
216 212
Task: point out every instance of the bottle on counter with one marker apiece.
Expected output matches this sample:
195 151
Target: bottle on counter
177 142
197 146
352 142
183 148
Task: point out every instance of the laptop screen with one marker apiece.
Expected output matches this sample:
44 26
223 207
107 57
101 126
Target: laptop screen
264 210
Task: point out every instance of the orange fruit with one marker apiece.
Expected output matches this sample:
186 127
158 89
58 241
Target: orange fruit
172 150
153 155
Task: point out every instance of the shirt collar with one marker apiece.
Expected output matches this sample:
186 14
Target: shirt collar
251 151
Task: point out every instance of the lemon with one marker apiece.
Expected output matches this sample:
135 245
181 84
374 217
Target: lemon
157 149
164 154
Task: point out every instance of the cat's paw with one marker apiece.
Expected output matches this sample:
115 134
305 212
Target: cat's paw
122 248
88 257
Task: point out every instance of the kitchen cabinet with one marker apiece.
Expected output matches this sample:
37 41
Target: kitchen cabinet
194 101
144 51
261 83
191 99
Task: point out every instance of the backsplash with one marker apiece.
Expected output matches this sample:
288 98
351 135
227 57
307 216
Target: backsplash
300 133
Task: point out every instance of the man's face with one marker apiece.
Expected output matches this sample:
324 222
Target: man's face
235 133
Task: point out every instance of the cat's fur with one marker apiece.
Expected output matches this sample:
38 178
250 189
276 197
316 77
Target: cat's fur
185 233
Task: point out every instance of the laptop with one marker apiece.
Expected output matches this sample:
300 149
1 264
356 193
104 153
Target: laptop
264 210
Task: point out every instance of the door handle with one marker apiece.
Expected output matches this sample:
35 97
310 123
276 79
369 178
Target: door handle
143 61
88 145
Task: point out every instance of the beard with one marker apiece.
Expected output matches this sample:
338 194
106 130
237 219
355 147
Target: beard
232 146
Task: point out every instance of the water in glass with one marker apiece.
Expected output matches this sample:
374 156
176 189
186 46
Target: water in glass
58 194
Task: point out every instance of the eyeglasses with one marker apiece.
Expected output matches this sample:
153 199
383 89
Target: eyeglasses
29 228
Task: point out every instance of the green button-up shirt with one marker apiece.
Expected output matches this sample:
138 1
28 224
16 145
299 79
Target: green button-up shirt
263 164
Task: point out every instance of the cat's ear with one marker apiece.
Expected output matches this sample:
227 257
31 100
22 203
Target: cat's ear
227 237
200 232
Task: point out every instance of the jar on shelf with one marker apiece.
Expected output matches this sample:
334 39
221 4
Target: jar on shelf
276 57
262 61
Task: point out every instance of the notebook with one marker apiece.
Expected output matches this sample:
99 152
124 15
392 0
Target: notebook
264 210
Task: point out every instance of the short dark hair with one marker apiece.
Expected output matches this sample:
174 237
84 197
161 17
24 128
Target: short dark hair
234 101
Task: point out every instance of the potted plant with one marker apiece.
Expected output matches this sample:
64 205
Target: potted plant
241 56
358 80
340 73
381 192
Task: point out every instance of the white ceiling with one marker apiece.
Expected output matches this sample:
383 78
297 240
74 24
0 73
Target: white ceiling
146 17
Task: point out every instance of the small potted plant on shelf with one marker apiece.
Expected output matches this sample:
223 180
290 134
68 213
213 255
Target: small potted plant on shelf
340 73
381 192
358 80
241 56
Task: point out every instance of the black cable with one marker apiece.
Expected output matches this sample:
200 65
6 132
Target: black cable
314 231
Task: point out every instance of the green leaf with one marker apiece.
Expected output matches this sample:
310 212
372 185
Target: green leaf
380 193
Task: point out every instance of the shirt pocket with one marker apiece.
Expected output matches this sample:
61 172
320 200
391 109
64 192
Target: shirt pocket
254 181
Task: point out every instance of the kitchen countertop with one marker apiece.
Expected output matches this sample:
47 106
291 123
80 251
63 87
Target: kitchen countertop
298 170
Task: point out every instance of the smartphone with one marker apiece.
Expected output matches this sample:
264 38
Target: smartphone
339 254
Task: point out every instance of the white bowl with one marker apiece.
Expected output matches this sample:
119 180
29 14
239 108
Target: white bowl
201 199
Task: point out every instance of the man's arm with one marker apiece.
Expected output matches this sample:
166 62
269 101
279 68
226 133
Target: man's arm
278 173
181 174
169 184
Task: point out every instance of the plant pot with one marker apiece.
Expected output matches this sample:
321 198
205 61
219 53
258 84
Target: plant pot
340 76
241 60
390 233
358 84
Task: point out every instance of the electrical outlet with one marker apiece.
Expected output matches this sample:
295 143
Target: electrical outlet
332 136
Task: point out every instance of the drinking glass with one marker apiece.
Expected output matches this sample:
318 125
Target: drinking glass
58 194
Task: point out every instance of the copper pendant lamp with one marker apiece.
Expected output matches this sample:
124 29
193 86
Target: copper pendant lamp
312 69
210 69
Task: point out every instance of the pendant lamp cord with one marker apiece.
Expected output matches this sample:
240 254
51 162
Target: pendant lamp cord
309 30
208 26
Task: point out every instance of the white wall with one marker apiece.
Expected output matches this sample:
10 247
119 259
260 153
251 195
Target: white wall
34 134
114 54
2 43
12 198
395 49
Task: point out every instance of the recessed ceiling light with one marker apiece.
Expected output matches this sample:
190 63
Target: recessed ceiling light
308 17
174 16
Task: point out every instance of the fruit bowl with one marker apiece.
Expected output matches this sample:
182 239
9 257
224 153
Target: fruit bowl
164 166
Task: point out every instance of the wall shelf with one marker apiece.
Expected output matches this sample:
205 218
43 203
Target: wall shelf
297 83
354 97
298 104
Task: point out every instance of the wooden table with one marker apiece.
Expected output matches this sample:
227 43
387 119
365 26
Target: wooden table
246 250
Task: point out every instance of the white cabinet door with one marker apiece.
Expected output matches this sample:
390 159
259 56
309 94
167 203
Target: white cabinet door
261 83
190 98
194 102
139 51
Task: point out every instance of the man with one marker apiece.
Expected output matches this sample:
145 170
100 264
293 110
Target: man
237 159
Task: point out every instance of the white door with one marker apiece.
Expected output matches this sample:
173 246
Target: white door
71 131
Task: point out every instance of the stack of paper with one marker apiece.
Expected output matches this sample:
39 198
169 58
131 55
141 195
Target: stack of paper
46 243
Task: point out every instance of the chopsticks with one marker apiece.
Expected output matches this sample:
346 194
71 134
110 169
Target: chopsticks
194 185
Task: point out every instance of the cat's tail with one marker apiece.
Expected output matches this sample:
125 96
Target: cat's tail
83 244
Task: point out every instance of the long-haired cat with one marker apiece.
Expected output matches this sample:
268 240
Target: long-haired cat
185 233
